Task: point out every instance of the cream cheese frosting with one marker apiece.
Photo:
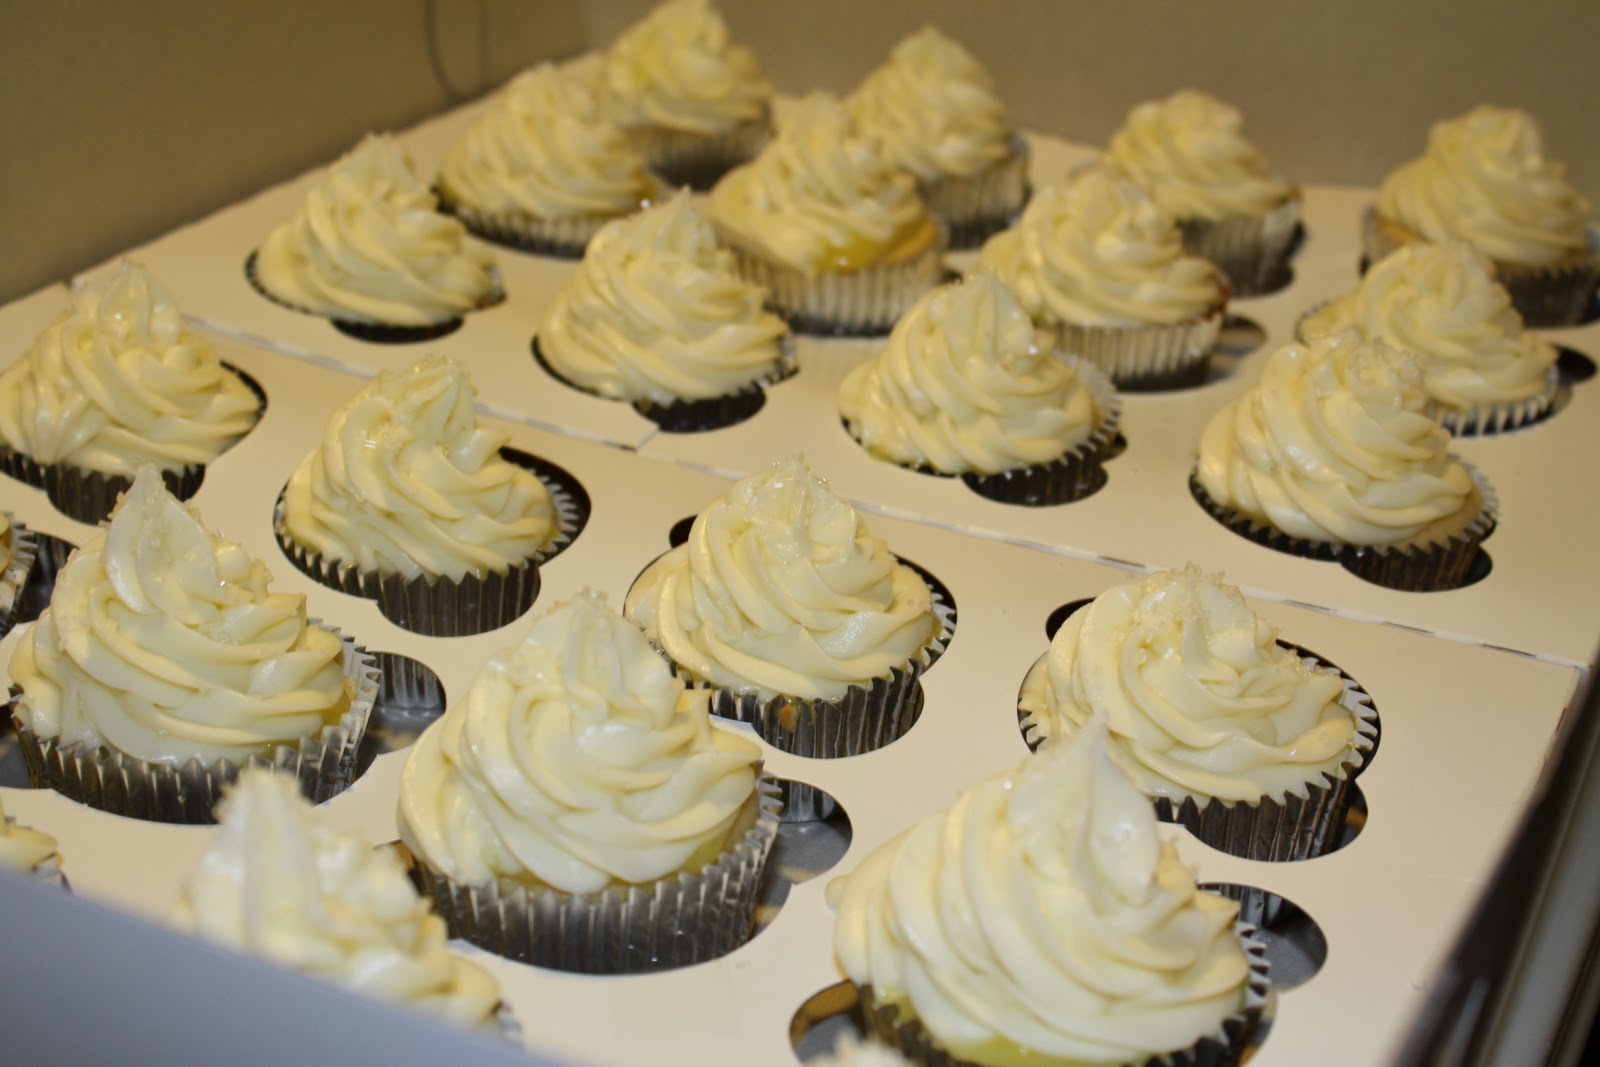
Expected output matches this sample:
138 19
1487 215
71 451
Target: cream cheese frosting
23 848
369 245
545 149
577 761
656 311
1042 919
1485 179
677 68
1188 152
119 380
1442 303
781 589
1096 250
1199 698
1332 446
821 196
164 643
279 884
964 385
935 109
407 482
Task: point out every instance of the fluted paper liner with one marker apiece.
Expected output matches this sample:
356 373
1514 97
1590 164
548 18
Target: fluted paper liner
14 578
378 332
1224 1047
978 206
673 922
186 793
1252 250
564 238
1148 356
687 158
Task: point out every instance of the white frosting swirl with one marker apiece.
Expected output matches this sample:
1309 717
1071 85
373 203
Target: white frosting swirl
1042 919
964 385
407 482
780 589
577 761
543 148
935 109
1331 445
1486 180
822 197
677 68
163 642
1200 699
1095 250
1188 153
656 311
1442 303
369 245
23 848
119 380
279 884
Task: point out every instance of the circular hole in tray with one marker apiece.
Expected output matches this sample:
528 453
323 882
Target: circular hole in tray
1477 571
679 534
816 1026
1053 621
50 555
410 698
13 771
396 335
803 851
1296 945
1239 337
1573 366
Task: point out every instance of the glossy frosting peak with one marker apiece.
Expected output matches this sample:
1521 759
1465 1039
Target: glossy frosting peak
677 68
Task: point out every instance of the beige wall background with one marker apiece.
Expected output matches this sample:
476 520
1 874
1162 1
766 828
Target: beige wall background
119 121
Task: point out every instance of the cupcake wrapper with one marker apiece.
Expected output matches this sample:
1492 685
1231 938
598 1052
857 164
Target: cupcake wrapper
673 922
377 332
1252 250
1147 357
14 579
411 690
88 496
858 303
697 160
980 205
187 792
1222 1048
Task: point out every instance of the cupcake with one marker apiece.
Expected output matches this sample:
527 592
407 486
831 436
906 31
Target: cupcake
576 809
1482 372
935 110
117 381
280 885
1248 742
370 251
410 502
29 851
838 237
656 315
1485 179
798 619
1041 919
692 103
849 1051
1097 261
543 167
1188 153
164 664
17 551
1331 456
965 388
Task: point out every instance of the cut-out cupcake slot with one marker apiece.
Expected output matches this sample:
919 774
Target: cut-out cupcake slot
1399 570
1573 366
1239 337
1295 946
822 1018
50 554
804 849
410 698
1053 621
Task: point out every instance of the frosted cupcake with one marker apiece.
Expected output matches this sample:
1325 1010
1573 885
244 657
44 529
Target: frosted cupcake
116 381
410 502
935 110
1188 153
965 388
839 238
797 618
692 102
280 885
1482 371
1249 743
1331 456
1041 919
1485 179
543 167
576 809
29 851
1097 261
656 315
17 552
164 664
369 250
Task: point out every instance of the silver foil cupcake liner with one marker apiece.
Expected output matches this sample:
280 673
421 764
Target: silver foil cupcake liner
1148 357
976 207
85 495
1553 296
858 303
187 792
1252 250
673 922
377 332
687 158
1224 1047
437 606
21 550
